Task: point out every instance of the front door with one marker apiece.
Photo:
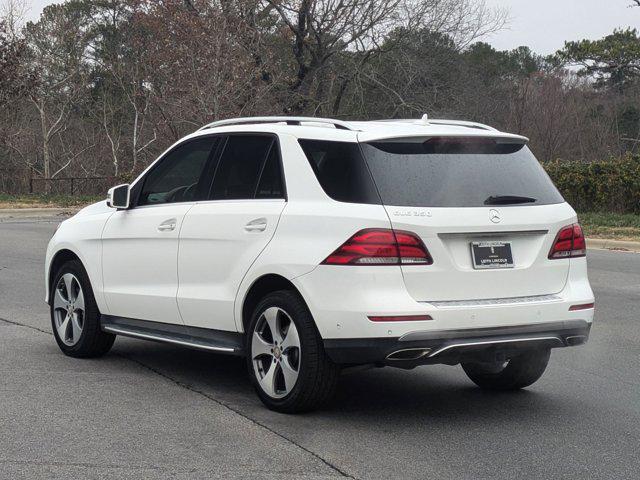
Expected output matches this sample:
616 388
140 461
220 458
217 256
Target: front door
140 245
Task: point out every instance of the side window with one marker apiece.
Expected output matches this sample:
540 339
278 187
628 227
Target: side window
270 185
341 171
178 176
240 167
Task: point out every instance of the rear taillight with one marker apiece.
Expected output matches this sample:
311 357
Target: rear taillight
381 247
569 242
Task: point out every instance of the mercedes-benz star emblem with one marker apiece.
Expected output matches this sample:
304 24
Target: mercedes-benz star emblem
494 216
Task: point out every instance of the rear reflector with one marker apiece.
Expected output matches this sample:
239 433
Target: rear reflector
376 246
569 243
402 318
584 306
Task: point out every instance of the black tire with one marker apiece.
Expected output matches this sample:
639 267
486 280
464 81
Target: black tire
519 372
93 342
317 375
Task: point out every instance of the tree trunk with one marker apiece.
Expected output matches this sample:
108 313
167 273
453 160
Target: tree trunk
46 153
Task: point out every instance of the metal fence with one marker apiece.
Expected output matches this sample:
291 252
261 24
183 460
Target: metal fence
13 184
72 185
23 180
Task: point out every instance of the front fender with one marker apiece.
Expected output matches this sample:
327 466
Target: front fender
82 236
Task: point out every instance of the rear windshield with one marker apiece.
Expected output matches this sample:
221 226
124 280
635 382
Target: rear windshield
458 173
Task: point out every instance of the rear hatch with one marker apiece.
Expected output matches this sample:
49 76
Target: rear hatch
484 208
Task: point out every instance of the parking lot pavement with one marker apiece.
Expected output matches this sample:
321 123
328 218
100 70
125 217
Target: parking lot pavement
155 411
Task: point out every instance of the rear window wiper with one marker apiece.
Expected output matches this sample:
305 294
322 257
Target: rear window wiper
508 200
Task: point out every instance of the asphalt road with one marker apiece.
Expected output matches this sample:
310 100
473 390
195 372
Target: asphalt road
154 411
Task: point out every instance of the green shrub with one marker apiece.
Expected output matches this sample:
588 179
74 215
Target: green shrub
606 186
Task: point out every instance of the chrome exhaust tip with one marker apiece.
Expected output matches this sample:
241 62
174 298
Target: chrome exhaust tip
576 340
409 354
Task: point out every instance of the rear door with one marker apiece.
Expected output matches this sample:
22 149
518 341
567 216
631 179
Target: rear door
484 208
222 236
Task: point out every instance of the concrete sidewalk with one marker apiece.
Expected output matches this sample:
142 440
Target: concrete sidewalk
36 213
606 244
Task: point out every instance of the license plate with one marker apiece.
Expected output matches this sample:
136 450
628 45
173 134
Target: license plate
491 255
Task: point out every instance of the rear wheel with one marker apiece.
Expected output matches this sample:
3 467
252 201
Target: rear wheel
289 367
75 318
517 372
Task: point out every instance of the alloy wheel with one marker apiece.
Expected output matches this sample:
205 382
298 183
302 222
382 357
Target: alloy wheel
275 352
68 309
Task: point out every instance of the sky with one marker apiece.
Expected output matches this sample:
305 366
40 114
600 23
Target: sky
543 25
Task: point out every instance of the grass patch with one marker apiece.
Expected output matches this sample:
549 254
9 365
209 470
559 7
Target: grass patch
46 201
616 226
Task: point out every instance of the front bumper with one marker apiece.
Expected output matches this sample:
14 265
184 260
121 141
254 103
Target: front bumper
455 346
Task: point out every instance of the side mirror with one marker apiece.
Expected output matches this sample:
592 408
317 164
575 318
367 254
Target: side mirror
118 197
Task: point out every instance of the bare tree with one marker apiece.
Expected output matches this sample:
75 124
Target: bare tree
57 46
137 92
13 14
111 117
321 30
222 80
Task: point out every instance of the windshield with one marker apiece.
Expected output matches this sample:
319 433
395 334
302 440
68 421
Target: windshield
458 173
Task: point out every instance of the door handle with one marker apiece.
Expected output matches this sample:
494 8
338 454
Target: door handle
257 225
167 225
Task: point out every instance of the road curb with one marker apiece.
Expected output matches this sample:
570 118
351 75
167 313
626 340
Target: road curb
605 244
10 213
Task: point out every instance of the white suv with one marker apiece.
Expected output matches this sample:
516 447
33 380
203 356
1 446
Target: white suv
308 245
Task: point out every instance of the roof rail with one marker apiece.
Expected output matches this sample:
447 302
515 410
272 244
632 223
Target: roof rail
288 120
461 123
457 123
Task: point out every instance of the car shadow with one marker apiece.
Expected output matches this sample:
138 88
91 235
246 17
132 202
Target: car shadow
425 393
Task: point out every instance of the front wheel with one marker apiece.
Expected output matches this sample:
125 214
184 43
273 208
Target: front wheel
75 317
518 372
288 365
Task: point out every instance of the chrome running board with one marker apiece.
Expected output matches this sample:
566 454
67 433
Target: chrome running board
185 336
159 338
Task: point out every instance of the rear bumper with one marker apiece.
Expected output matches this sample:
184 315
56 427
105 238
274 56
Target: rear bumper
455 346
341 300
